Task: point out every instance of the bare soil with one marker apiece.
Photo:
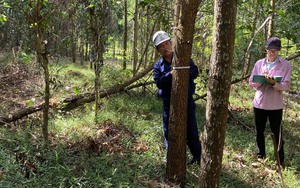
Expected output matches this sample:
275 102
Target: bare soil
18 84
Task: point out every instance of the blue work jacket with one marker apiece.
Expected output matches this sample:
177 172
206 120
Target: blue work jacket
163 78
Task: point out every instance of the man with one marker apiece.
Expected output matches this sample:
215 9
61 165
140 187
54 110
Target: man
163 79
268 100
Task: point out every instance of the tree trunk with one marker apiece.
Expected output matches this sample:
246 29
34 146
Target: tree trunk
271 23
125 36
218 92
95 48
135 36
42 57
148 32
247 62
99 38
73 42
184 22
81 50
248 54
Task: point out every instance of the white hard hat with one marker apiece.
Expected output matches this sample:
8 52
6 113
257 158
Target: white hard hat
160 37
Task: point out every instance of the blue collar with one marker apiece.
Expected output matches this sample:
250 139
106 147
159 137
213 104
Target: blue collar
270 65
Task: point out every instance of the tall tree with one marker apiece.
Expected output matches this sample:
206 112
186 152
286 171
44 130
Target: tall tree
40 26
125 35
218 92
99 23
248 54
271 23
184 24
135 37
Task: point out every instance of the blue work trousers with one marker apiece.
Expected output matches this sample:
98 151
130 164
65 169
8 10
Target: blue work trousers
192 135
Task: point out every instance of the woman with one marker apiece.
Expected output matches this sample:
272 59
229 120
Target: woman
268 99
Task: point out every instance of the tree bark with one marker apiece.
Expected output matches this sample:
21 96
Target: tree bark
218 92
125 36
135 36
73 42
271 23
42 57
184 24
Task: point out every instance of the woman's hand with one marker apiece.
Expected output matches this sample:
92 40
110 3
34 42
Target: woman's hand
270 79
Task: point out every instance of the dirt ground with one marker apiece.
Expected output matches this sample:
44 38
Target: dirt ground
19 83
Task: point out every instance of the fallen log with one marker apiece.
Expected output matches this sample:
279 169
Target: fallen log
72 102
232 82
19 114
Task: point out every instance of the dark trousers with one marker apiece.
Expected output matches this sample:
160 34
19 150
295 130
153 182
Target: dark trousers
192 134
274 116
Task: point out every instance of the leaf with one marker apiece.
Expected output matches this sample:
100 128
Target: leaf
30 102
3 18
76 90
91 6
5 5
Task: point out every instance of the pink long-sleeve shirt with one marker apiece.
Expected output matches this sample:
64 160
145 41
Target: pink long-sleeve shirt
270 97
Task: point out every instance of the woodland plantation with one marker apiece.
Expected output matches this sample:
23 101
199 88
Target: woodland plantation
45 31
124 29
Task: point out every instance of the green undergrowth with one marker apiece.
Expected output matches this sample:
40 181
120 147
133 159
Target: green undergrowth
126 148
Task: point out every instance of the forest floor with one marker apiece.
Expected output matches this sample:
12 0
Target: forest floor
18 84
123 149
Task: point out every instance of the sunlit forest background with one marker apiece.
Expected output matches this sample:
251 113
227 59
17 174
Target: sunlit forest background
116 140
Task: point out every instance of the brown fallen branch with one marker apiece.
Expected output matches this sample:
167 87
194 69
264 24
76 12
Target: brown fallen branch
21 113
231 117
232 82
229 111
78 100
293 56
73 102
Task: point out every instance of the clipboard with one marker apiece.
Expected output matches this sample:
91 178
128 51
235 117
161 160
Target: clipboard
261 79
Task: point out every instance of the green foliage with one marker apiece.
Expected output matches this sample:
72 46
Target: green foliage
287 19
26 57
68 163
30 102
3 16
126 149
3 19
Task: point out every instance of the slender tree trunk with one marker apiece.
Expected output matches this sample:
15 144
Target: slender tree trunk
73 42
99 16
247 64
218 92
135 37
42 57
248 53
155 53
148 31
125 36
184 23
81 50
271 23
114 49
95 44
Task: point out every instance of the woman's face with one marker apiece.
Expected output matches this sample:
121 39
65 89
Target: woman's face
272 54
